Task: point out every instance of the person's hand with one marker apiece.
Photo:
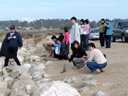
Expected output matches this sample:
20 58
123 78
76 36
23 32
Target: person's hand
9 38
19 48
84 56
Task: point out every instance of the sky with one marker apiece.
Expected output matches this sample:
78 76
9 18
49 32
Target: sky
62 9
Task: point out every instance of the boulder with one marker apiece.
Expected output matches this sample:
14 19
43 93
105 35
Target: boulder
83 90
34 58
3 85
24 79
57 88
15 74
89 81
18 93
100 93
70 80
1 64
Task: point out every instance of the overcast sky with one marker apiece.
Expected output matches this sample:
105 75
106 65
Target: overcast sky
41 9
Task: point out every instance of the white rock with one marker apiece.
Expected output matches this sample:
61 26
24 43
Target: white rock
18 93
58 88
34 58
14 74
3 85
1 64
83 90
89 77
70 80
100 93
90 83
2 94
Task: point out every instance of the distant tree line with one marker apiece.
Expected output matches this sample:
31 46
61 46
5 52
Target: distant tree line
44 24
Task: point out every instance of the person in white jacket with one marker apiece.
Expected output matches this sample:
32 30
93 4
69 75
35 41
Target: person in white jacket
74 33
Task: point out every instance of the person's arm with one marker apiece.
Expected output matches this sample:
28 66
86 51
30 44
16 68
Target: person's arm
7 37
20 42
108 26
91 56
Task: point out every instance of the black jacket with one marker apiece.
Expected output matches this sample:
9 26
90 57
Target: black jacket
4 48
15 41
80 52
63 50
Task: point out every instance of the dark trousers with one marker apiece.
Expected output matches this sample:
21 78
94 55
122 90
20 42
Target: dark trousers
11 53
102 39
67 47
61 57
82 37
108 41
86 42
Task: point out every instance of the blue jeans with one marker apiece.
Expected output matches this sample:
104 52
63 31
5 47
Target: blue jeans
86 42
93 66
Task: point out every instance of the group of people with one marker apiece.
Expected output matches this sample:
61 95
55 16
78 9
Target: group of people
79 41
105 31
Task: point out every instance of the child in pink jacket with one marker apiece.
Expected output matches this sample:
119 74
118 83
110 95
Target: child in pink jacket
66 38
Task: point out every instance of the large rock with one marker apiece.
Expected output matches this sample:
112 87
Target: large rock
34 58
3 85
18 93
15 74
89 81
24 79
1 64
70 80
100 93
58 88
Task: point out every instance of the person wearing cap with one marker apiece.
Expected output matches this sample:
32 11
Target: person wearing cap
14 40
108 33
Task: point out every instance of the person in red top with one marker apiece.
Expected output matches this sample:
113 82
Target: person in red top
66 38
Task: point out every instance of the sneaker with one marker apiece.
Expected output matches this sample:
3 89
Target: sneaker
82 66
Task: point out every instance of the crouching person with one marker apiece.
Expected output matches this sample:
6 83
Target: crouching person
79 55
60 50
14 40
96 61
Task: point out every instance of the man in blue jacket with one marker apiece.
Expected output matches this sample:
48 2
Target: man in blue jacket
14 40
108 33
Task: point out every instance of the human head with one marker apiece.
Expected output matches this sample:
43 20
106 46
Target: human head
53 38
65 29
82 22
102 21
91 46
107 21
76 44
59 41
86 21
12 28
73 20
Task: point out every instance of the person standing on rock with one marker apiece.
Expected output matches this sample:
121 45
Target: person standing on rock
74 33
14 40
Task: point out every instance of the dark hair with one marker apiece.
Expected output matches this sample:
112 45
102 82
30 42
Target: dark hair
59 39
76 42
53 37
82 20
74 18
103 19
65 29
86 21
92 45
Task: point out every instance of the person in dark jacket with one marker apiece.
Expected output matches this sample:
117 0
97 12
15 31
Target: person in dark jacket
14 40
79 55
61 37
63 54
